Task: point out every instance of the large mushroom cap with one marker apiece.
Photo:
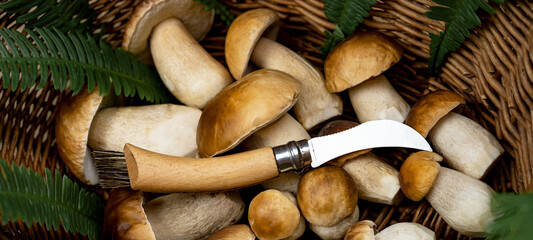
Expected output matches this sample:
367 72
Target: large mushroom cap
430 109
326 195
244 107
149 13
243 35
274 215
418 174
72 132
358 58
124 216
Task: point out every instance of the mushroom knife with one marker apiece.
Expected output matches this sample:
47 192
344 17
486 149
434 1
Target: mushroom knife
154 172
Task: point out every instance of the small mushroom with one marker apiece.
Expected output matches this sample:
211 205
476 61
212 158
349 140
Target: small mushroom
338 230
72 124
357 64
418 174
463 202
82 126
277 133
166 128
363 230
234 232
406 231
465 145
275 215
243 108
339 126
184 216
251 35
327 195
173 28
376 180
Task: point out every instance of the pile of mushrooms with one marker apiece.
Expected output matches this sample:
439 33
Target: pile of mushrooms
257 111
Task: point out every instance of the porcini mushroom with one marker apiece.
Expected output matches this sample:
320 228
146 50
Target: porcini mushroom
251 36
465 145
339 126
165 128
277 133
376 180
463 202
363 230
243 108
174 216
357 64
327 195
72 124
173 28
338 230
234 232
80 126
406 231
275 215
418 174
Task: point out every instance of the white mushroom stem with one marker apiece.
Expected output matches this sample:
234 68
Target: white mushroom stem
165 128
465 145
376 180
186 68
462 201
338 230
315 104
277 133
406 231
189 216
376 99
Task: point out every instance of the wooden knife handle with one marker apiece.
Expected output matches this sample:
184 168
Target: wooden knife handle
154 172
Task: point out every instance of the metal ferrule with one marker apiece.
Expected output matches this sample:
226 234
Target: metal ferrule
292 156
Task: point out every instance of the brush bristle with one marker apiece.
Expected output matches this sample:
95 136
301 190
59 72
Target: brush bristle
111 168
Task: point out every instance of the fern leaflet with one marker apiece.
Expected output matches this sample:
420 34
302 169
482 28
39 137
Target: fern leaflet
219 8
66 15
513 217
460 16
26 195
76 57
348 14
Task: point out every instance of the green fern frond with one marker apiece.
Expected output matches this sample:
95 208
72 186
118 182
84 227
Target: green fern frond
513 217
348 14
220 10
66 15
26 195
460 16
76 58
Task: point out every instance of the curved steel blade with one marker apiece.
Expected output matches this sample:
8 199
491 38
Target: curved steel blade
372 134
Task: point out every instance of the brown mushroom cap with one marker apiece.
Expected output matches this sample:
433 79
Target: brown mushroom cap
73 121
362 230
326 195
243 35
431 108
149 13
358 58
124 216
272 215
243 108
339 126
234 232
418 174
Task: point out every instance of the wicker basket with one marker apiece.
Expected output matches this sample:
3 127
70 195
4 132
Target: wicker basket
493 71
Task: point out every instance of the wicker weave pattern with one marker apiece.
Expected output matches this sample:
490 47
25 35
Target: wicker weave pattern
493 71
